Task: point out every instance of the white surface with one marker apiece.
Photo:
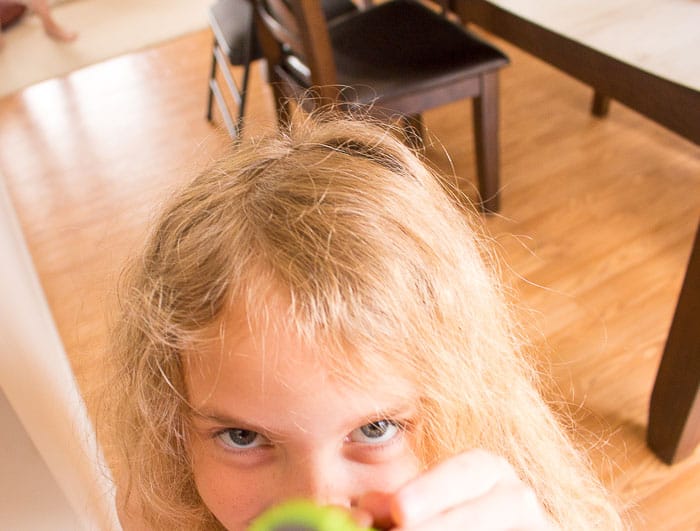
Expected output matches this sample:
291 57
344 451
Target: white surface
30 498
106 28
658 36
39 389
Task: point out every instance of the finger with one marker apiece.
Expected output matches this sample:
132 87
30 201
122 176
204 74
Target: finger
506 506
451 483
377 504
361 517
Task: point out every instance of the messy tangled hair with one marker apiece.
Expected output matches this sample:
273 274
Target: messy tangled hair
379 263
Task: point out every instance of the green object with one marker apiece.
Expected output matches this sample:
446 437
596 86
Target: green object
303 515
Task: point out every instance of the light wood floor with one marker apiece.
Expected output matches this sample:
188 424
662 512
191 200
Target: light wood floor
596 226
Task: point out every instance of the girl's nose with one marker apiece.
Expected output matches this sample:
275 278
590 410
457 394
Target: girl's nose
323 482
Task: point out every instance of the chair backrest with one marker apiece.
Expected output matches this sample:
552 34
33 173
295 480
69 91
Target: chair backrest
294 38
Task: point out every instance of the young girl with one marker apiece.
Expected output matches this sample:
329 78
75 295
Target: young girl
314 318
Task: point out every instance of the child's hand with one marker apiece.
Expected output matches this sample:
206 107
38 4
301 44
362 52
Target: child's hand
475 490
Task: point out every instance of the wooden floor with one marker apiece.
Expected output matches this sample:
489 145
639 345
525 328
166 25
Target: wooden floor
596 226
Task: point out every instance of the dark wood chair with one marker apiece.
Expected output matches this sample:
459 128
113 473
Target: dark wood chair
235 44
399 56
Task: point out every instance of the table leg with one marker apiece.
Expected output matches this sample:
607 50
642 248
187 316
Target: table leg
674 410
600 104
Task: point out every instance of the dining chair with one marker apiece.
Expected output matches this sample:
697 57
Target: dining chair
236 45
399 58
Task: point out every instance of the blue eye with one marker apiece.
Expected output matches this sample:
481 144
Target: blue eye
375 432
241 439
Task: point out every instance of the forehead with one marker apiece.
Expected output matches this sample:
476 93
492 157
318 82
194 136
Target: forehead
265 371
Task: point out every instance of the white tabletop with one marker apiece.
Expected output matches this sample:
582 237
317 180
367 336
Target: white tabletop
659 36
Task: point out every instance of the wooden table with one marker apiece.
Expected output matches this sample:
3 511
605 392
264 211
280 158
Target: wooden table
643 53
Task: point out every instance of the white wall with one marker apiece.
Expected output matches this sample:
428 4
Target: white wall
50 469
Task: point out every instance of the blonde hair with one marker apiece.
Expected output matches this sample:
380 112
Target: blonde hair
379 261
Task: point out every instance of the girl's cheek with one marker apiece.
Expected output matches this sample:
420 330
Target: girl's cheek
235 502
235 495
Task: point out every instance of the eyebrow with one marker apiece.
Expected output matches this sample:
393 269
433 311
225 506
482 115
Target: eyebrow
223 419
214 416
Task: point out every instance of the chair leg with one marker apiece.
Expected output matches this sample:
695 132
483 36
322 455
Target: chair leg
212 75
236 92
486 142
243 92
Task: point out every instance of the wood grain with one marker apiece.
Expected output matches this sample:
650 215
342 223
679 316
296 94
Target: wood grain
596 225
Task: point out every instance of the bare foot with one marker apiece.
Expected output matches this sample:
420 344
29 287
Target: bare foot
56 32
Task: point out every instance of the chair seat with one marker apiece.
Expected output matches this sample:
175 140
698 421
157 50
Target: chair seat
401 46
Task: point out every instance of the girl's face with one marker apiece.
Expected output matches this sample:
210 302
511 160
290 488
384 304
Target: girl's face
271 424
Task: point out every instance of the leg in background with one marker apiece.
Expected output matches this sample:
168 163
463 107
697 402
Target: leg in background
51 27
